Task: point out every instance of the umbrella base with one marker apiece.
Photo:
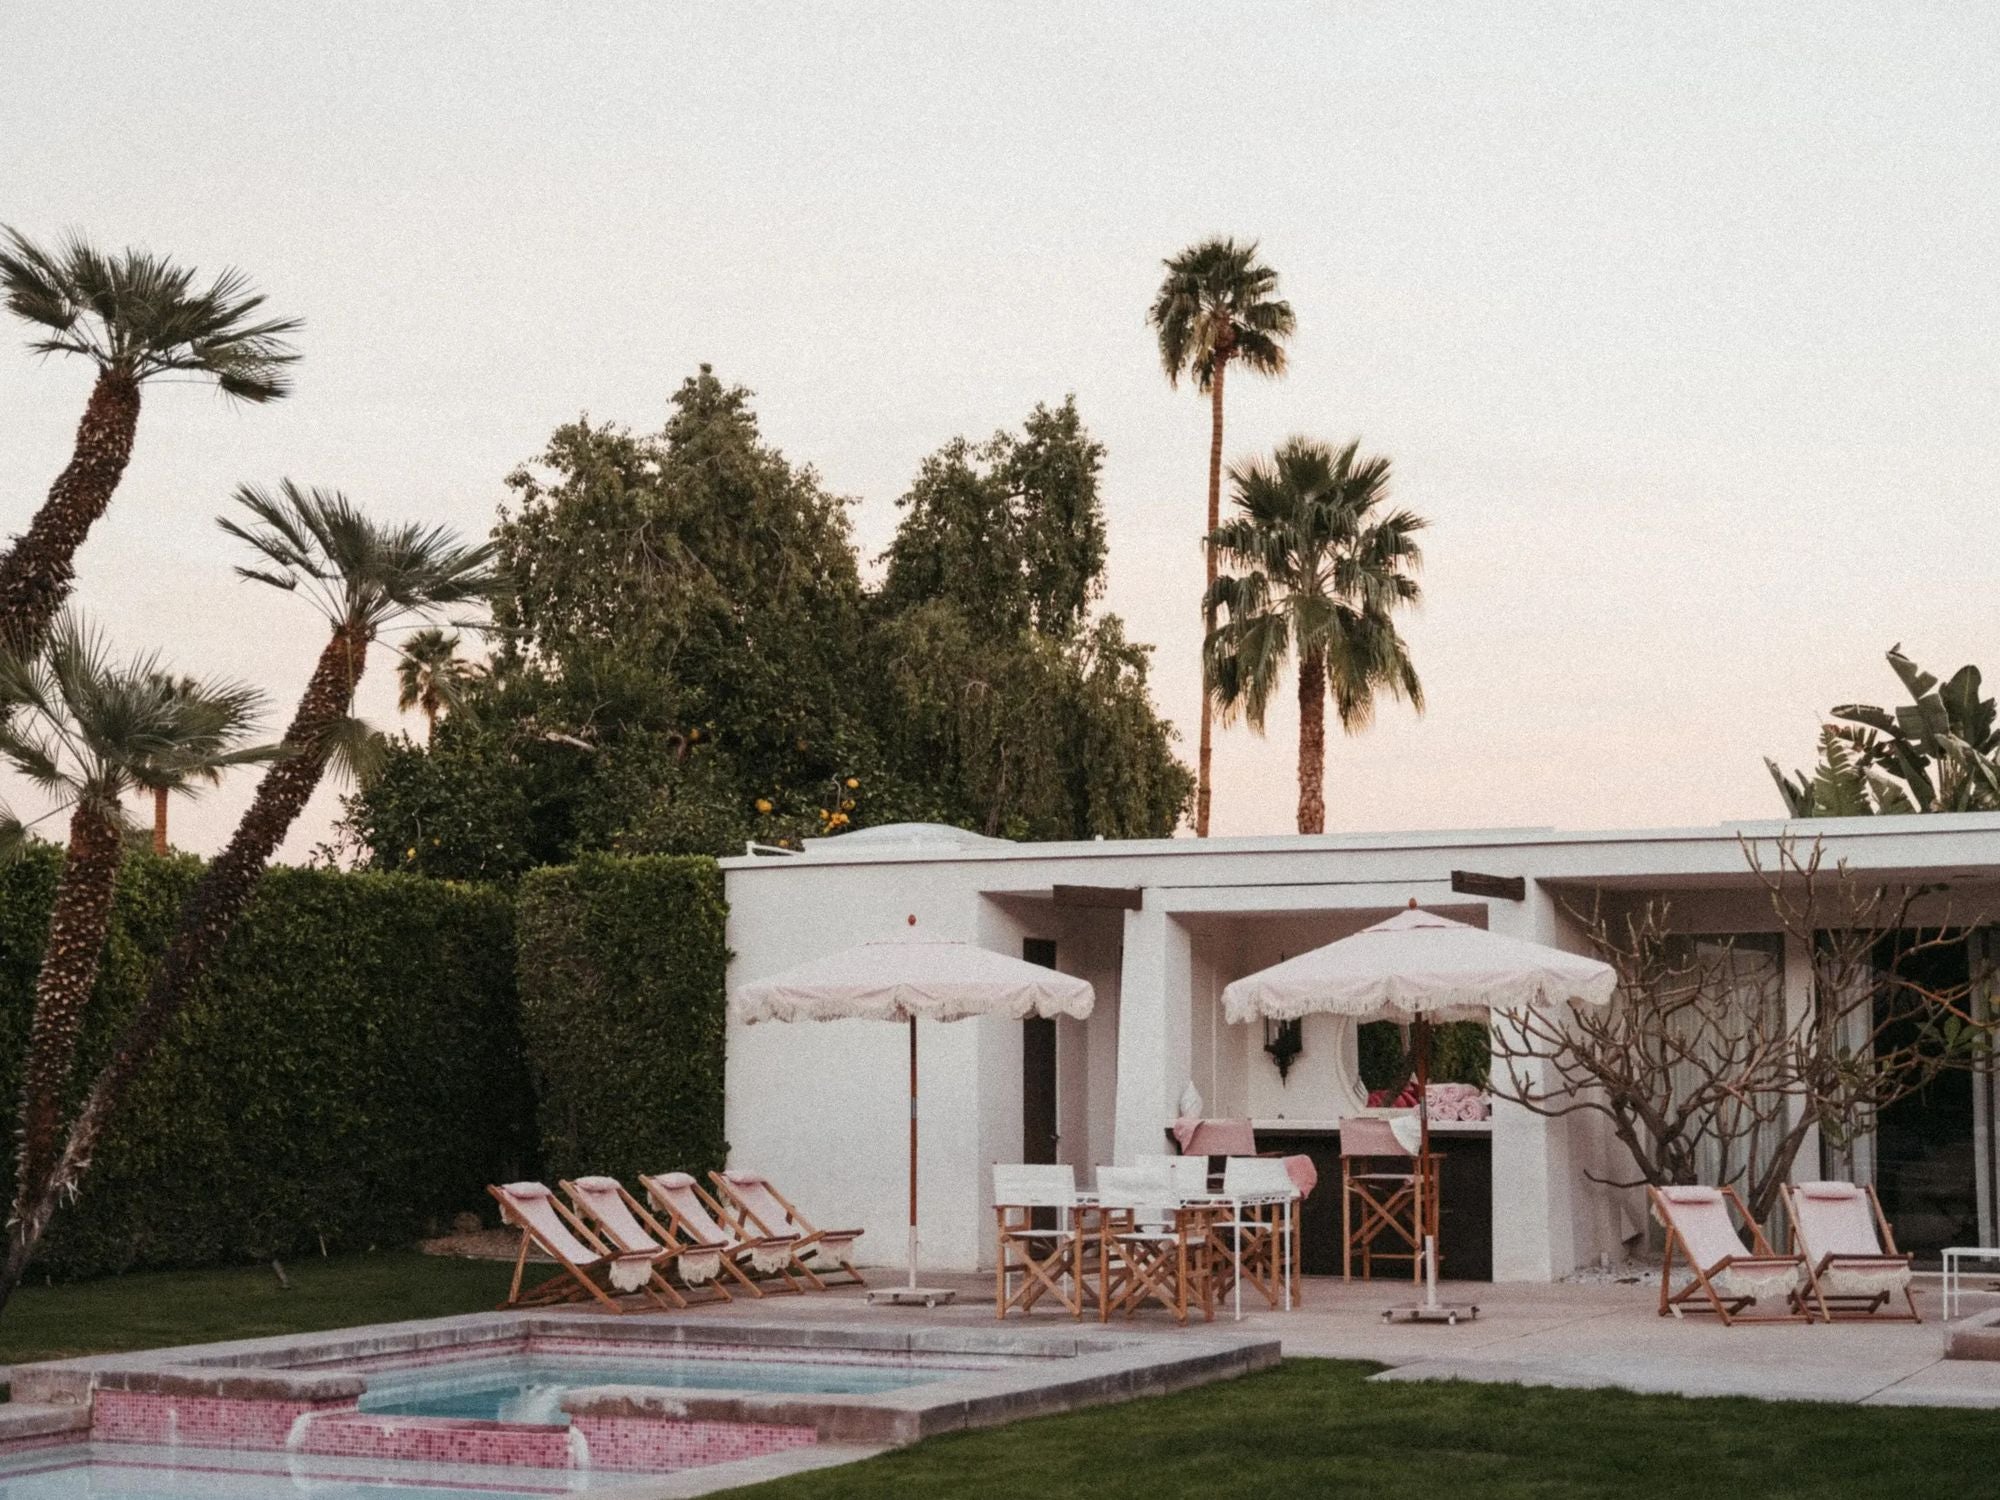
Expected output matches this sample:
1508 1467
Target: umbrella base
912 1296
1432 1312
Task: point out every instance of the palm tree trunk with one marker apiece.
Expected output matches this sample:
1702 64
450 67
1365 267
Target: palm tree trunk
159 820
77 924
211 911
1312 743
1205 752
38 571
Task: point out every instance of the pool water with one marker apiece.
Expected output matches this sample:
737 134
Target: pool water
530 1387
118 1472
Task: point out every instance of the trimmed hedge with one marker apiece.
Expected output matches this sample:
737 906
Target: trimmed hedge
351 1075
622 1007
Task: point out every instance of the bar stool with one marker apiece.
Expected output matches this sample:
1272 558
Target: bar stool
1379 1198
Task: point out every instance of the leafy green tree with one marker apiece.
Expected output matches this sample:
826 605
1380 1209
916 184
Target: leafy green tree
1324 568
1940 752
1011 530
137 318
362 577
1218 304
688 659
87 731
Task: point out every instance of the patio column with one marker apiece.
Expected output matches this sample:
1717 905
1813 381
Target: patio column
1154 1052
1532 1235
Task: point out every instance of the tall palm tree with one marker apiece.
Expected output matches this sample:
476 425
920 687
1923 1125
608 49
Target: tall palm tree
362 577
1323 571
1218 304
137 318
86 731
432 675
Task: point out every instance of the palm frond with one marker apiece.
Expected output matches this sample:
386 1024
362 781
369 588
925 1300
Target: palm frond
143 316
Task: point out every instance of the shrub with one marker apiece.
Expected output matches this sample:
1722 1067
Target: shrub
351 1074
621 981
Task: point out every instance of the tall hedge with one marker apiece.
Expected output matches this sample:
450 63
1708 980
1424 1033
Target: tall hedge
621 978
351 1074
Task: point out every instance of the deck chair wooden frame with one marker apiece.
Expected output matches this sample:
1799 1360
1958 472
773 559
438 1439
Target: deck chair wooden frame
814 1247
1846 1307
1150 1247
731 1245
572 1280
1174 1264
1046 1256
1703 1293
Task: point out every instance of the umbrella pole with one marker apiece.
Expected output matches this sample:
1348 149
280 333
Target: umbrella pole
1425 1170
913 1153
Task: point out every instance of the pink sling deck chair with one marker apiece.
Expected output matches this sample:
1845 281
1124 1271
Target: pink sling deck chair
712 1249
1851 1257
1726 1274
760 1208
548 1225
623 1223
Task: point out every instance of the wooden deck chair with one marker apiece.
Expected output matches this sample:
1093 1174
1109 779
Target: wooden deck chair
622 1222
1043 1255
824 1255
1851 1256
548 1225
693 1215
1152 1248
1727 1277
1378 1198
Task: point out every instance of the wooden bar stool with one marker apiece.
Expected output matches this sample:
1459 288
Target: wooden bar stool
1379 1198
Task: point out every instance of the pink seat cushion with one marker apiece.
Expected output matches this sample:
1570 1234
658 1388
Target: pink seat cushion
1222 1138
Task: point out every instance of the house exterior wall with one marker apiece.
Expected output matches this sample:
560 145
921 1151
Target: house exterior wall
821 1106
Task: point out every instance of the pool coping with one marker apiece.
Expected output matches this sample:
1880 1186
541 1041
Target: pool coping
1084 1367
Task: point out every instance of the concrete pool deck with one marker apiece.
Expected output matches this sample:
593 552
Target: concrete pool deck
1533 1334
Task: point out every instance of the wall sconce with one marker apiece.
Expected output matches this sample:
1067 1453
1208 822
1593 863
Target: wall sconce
1284 1041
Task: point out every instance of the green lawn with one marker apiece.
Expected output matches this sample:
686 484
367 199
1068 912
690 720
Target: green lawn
1316 1427
154 1308
1309 1428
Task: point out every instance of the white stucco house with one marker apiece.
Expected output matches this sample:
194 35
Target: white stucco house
1160 926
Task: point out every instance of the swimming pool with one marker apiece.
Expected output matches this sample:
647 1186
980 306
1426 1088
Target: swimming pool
506 1405
530 1387
98 1471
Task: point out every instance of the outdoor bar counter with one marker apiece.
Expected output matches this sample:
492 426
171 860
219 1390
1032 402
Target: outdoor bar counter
1464 1149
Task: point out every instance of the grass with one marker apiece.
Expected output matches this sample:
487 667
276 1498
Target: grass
154 1309
1317 1427
1308 1428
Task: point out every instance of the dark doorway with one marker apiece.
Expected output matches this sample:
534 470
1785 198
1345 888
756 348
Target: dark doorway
1038 1069
1925 1161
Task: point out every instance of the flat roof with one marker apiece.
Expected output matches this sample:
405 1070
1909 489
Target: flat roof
860 849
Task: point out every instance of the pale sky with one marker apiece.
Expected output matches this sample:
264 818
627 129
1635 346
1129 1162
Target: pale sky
1679 322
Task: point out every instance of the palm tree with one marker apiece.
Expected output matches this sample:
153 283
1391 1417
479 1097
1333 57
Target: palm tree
1322 576
1217 304
137 318
163 779
87 731
432 675
362 577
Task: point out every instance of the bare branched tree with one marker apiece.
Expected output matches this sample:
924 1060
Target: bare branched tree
1703 1071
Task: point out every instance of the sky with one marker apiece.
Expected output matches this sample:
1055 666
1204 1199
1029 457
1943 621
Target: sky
1677 322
